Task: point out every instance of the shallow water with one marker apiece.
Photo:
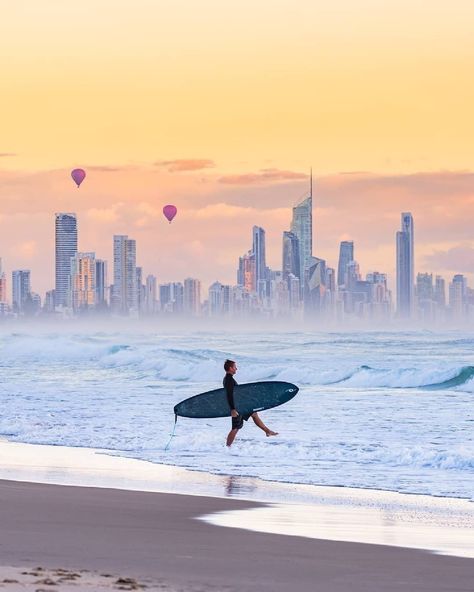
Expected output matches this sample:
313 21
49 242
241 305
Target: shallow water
376 410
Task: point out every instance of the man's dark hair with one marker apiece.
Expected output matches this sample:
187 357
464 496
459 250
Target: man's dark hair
228 365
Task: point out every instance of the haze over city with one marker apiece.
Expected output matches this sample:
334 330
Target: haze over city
225 120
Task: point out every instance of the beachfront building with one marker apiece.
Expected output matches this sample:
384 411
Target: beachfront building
124 297
258 249
405 267
3 285
171 297
192 297
458 305
440 292
219 299
246 274
101 297
346 255
83 282
66 248
302 228
150 295
314 287
21 290
425 300
291 255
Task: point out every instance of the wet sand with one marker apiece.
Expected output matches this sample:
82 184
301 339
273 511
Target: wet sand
155 537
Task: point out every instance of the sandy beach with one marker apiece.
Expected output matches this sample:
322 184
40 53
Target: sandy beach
155 538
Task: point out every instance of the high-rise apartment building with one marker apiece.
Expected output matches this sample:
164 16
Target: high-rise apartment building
346 255
425 296
258 249
101 297
215 299
315 286
21 289
83 282
150 295
141 288
302 227
405 267
125 289
458 297
3 285
66 248
291 255
171 297
440 292
246 274
192 296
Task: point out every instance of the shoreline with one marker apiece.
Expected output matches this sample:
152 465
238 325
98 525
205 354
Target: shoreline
439 525
159 538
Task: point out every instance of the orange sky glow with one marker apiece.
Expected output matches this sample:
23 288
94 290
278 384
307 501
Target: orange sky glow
222 108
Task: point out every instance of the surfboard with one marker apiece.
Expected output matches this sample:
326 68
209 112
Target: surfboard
248 398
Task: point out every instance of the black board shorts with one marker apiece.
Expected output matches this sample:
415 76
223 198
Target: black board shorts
238 422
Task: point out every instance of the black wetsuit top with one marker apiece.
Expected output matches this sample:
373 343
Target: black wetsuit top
229 384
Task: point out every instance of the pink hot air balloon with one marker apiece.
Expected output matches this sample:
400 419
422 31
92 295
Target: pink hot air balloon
170 212
78 176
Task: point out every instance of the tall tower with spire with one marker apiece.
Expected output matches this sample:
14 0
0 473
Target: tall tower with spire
302 227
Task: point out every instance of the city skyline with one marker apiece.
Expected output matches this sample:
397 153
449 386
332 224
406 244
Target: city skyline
375 97
312 290
208 237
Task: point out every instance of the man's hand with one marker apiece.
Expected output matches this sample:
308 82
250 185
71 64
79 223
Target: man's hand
234 413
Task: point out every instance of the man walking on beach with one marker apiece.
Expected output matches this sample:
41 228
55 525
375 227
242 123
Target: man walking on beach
229 382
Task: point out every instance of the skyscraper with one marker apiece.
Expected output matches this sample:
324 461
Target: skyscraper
425 296
83 281
3 284
21 289
125 290
458 297
192 296
315 286
346 255
440 292
258 249
246 274
100 284
405 267
66 247
302 227
140 289
150 294
216 299
291 255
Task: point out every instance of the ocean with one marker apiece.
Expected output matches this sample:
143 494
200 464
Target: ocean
376 410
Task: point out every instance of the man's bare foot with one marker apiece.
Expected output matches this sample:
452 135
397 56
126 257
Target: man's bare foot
270 433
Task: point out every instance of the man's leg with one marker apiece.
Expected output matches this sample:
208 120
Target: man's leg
231 437
258 422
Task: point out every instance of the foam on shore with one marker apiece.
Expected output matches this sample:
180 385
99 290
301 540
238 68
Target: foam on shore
442 525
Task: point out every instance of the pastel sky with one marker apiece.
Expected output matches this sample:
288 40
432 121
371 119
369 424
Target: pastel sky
221 108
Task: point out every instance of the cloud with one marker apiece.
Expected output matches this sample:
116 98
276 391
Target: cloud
6 154
28 249
222 210
104 214
458 259
185 164
108 168
264 176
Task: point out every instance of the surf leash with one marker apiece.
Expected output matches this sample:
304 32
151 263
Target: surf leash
172 433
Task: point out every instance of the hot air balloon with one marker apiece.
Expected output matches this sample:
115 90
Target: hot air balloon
170 212
78 176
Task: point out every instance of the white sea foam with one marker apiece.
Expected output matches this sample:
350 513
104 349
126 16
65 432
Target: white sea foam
390 411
